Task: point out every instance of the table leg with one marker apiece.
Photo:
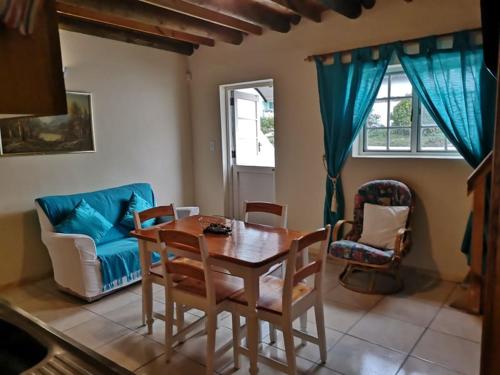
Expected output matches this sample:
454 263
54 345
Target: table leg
252 294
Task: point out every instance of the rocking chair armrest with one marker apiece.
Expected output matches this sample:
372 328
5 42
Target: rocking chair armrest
337 228
402 241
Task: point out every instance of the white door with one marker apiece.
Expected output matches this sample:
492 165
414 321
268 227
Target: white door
252 149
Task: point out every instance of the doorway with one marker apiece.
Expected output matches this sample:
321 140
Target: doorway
249 143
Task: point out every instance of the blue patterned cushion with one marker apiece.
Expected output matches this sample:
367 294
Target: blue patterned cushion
360 252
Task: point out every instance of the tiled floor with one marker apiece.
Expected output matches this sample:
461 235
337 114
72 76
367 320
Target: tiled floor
413 332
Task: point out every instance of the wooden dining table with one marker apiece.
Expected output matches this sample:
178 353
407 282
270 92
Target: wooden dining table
248 252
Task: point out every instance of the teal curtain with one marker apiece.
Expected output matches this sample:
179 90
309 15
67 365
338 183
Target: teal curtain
347 92
458 92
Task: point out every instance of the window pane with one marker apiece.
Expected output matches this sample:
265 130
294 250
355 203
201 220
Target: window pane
432 139
425 118
449 146
246 108
400 139
383 92
376 139
400 85
401 112
378 115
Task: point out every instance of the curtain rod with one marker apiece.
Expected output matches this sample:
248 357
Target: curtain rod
323 56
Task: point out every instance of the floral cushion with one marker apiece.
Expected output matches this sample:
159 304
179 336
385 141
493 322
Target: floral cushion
379 192
360 252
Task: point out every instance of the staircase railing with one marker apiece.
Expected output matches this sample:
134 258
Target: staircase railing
471 299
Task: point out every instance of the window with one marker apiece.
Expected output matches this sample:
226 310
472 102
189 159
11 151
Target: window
398 124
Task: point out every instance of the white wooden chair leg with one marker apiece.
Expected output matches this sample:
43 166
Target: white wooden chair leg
169 329
147 298
272 333
320 325
179 315
236 340
211 332
303 326
289 346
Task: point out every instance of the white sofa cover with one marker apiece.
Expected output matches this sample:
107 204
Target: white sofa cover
77 269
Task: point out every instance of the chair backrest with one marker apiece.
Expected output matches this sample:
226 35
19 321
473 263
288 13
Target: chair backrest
175 243
276 209
382 193
154 213
317 267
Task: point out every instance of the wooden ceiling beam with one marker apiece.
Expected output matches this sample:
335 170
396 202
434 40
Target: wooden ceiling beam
129 36
348 8
127 23
207 15
153 15
250 11
301 7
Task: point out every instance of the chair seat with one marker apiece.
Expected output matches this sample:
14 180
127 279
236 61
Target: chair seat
225 286
360 252
271 294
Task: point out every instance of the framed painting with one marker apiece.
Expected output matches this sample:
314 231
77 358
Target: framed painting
72 132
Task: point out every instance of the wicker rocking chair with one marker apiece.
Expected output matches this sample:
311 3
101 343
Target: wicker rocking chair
364 258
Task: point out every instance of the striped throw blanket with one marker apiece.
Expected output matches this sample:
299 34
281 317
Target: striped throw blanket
20 14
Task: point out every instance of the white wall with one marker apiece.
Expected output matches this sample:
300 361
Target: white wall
440 184
142 132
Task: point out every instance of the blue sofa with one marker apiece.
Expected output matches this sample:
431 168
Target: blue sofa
81 266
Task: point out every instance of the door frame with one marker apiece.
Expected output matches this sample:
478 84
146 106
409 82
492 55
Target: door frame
227 136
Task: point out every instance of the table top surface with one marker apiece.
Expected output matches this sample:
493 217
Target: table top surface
251 245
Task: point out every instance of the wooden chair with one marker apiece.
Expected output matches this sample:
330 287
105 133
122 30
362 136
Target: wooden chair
189 285
278 211
275 209
364 258
283 301
153 275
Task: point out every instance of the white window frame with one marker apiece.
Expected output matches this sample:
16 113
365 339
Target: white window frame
358 147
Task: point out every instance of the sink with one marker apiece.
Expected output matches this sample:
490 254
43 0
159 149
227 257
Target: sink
19 351
30 347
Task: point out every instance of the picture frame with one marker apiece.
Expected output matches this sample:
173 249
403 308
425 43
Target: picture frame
69 133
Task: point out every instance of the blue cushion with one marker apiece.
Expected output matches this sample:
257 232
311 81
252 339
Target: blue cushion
120 262
84 219
111 203
136 203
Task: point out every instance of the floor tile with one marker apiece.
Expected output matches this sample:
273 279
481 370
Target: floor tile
303 365
309 351
415 366
178 364
458 323
410 310
56 310
96 332
158 334
388 332
19 294
449 351
112 302
318 369
361 300
339 316
352 356
130 315
131 351
195 348
427 288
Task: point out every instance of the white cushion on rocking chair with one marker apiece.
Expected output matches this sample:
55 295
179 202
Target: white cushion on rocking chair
381 224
